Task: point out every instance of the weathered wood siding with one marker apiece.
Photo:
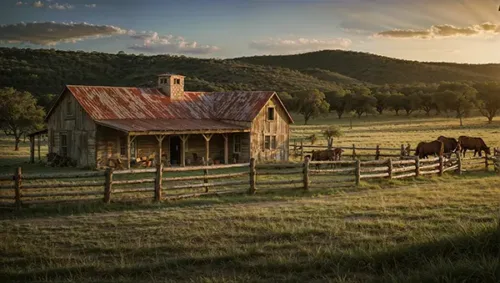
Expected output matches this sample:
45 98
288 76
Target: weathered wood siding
80 130
262 127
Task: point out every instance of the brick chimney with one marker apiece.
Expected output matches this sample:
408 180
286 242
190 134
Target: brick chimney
172 85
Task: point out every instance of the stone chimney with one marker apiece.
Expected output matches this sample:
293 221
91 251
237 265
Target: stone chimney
172 85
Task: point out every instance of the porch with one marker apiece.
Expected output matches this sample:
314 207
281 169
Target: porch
226 144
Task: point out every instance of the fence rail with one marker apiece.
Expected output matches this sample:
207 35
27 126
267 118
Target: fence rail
19 189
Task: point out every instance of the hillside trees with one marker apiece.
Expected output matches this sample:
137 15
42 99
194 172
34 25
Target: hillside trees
339 100
19 113
488 99
311 104
362 101
396 102
457 97
382 103
411 103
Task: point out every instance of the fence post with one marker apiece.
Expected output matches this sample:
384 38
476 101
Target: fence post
402 151
417 166
17 186
486 163
305 171
377 152
353 151
357 172
459 163
301 149
441 165
252 175
389 169
108 183
496 163
205 179
158 181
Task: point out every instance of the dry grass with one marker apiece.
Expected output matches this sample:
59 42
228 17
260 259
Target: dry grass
420 230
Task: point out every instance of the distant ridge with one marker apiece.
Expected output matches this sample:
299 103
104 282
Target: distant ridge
43 71
378 69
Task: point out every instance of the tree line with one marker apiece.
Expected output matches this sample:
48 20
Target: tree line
447 98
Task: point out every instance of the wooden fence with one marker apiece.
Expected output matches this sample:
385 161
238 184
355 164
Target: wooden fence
301 149
182 182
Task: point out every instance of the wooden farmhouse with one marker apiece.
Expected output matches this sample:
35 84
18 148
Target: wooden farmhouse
98 126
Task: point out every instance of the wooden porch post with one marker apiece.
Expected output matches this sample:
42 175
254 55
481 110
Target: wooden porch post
38 144
184 139
207 146
128 151
226 148
159 138
32 149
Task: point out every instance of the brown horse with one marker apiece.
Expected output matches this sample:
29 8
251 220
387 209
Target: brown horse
472 143
424 149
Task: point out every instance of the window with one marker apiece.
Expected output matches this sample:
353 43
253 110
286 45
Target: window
177 81
123 146
270 113
69 108
237 144
64 145
270 142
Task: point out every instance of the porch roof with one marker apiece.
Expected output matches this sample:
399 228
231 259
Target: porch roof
171 126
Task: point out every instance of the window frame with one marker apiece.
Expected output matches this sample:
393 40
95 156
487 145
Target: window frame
273 118
267 142
273 142
270 142
123 146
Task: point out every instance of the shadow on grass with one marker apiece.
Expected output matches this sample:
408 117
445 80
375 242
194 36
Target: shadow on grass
97 206
470 257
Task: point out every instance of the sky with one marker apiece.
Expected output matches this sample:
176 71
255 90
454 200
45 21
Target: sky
464 31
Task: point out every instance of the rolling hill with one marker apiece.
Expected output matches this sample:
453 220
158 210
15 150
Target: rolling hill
43 71
379 69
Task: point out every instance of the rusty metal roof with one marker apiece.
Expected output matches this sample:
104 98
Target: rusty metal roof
132 103
177 125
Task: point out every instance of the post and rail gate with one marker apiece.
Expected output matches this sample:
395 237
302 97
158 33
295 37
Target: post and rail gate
163 183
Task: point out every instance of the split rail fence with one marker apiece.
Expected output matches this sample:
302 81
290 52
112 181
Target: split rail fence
183 182
299 148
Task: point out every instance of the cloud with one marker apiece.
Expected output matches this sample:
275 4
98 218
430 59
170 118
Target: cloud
300 44
54 6
152 42
38 4
52 33
90 5
440 31
58 6
19 3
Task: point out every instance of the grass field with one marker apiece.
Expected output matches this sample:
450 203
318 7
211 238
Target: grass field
418 230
